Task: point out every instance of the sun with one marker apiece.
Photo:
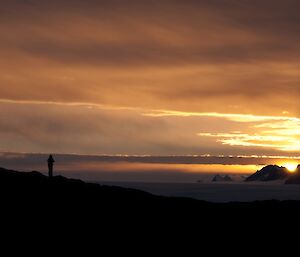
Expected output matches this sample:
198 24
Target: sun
292 167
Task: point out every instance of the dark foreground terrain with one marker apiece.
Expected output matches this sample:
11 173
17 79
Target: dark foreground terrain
30 197
53 211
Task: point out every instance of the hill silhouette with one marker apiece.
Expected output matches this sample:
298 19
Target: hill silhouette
269 173
35 189
274 172
31 194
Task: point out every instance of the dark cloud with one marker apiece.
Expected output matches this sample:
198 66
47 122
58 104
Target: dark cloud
152 33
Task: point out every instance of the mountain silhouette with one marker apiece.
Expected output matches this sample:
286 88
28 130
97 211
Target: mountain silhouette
35 186
269 173
219 178
32 190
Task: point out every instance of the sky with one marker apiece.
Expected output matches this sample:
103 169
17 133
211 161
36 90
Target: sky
169 169
145 77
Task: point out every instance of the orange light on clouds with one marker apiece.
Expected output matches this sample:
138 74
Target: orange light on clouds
179 77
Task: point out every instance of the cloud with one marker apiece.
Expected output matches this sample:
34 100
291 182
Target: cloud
147 67
282 134
96 129
204 55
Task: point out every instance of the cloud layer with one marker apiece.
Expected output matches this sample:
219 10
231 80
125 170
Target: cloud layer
137 57
95 129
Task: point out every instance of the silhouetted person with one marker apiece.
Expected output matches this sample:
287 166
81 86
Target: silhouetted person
50 165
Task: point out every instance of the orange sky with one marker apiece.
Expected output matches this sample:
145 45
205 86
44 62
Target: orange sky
150 77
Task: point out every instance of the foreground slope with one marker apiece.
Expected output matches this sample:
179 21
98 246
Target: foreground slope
35 195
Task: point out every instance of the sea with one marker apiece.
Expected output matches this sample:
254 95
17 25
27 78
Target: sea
219 191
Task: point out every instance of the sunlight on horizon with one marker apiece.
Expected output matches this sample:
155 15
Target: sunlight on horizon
292 167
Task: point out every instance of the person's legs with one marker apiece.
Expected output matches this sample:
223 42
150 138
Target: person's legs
50 167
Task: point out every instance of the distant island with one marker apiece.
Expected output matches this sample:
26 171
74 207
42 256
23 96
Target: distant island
219 178
275 172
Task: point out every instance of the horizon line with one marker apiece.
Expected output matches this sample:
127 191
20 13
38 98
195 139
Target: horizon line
156 156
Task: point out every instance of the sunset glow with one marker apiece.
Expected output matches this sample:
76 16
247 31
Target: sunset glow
150 77
172 111
292 167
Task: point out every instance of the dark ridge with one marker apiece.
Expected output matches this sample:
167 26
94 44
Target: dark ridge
33 196
269 173
274 172
59 192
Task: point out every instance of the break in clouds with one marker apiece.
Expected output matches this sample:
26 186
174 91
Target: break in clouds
150 77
